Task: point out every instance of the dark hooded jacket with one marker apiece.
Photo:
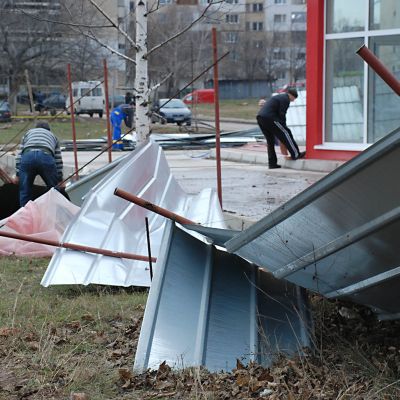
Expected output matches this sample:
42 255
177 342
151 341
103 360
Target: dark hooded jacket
275 108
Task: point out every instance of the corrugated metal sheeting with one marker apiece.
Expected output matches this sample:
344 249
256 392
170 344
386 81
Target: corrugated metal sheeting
109 222
208 307
340 236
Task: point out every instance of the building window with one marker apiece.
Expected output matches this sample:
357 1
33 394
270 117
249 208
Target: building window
345 15
131 6
257 26
258 44
359 106
279 55
279 1
298 17
232 18
232 37
279 18
383 103
301 55
233 55
384 14
280 74
257 7
232 1
297 2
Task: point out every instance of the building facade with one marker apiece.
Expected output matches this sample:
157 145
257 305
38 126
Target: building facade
349 107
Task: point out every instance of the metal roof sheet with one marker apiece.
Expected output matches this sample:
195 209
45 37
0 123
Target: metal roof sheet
208 307
109 222
340 236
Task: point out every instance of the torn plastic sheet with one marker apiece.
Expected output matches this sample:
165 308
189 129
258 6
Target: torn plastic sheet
46 218
109 222
207 307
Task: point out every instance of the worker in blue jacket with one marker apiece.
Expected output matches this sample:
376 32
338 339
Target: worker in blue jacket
123 112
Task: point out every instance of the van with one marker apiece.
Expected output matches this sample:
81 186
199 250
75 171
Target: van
199 96
88 98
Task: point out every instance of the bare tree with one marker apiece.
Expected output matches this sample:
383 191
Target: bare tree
25 42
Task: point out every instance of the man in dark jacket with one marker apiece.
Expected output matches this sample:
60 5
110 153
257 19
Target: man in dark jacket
272 121
39 154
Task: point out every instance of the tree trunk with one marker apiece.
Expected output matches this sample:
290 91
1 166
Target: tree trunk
142 122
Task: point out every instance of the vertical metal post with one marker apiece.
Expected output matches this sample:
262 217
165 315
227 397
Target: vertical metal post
109 142
217 126
149 248
72 110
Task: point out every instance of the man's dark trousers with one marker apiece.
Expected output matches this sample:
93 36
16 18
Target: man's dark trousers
271 129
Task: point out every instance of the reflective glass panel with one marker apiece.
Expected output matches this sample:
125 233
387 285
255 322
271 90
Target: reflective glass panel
345 15
383 103
344 91
384 14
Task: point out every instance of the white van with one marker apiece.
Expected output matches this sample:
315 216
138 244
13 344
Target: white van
88 98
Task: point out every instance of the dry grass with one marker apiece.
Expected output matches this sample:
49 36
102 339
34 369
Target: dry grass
64 339
58 340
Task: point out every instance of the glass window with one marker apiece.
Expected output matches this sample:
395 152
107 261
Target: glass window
298 17
345 15
384 14
278 18
383 103
344 91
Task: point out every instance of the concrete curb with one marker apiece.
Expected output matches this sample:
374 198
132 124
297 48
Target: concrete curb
255 157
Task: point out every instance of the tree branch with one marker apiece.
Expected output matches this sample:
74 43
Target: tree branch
184 29
109 48
122 32
157 85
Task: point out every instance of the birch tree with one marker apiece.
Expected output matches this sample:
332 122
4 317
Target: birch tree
142 90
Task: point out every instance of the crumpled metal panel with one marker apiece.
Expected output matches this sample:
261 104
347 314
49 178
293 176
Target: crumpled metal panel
78 190
340 236
109 222
209 307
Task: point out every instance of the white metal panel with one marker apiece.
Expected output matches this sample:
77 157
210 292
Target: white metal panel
208 307
109 222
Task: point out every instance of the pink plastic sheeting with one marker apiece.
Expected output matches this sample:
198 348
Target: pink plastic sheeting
47 218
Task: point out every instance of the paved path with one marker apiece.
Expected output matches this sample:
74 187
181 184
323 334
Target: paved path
250 191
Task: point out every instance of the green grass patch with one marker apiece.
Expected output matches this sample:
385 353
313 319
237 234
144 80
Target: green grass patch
242 109
86 128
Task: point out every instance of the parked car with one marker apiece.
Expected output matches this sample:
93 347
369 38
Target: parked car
199 96
171 111
53 102
5 112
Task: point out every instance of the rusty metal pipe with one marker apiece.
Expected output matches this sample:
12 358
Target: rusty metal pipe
78 247
152 207
377 65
